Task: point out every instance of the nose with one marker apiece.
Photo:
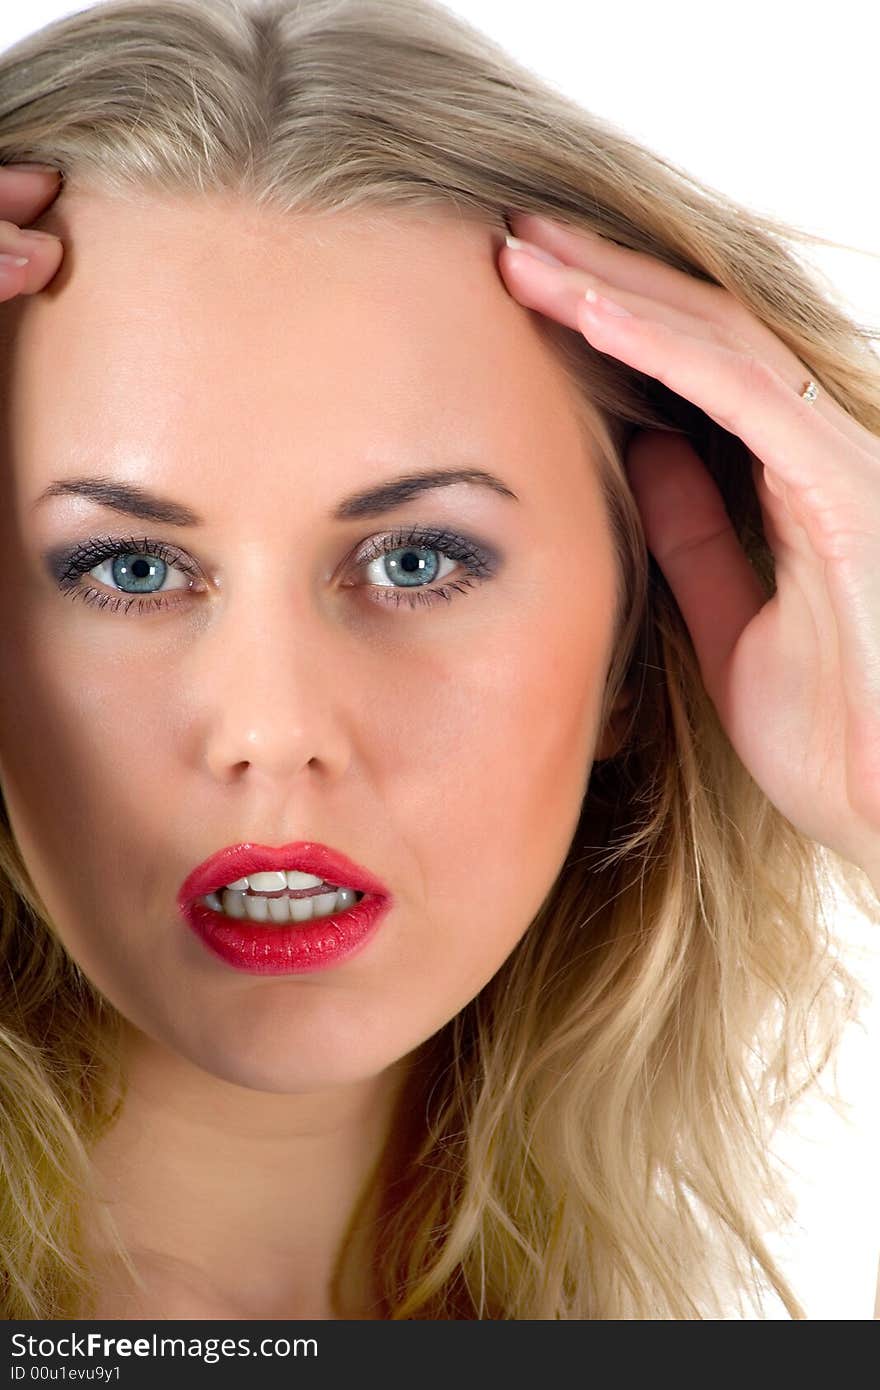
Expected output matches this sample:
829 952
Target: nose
265 680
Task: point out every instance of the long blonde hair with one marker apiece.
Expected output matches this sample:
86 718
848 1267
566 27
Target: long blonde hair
589 1137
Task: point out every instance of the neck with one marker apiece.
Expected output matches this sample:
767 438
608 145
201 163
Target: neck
245 1195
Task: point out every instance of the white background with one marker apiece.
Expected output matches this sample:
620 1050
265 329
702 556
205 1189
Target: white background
774 103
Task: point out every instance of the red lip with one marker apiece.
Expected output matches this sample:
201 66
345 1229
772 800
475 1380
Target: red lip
295 948
237 861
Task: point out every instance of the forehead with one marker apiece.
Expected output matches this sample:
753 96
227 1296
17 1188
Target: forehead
320 332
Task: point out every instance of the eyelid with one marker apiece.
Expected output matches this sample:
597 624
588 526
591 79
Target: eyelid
59 560
482 558
69 565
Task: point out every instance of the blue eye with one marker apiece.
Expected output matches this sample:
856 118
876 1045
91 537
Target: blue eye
143 569
403 567
142 564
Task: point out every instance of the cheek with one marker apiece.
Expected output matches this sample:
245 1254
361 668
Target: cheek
78 760
490 767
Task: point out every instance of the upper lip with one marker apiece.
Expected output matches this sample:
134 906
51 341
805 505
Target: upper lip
237 861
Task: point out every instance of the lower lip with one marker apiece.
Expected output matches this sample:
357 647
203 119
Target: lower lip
298 949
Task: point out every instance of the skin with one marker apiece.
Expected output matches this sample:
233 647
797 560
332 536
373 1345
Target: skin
258 368
795 679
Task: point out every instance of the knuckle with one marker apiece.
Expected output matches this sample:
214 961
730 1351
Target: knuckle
728 313
734 325
750 380
722 335
757 376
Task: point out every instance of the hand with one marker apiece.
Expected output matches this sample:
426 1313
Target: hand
24 196
796 678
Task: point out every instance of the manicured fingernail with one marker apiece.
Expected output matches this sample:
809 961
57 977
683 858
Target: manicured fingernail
13 260
606 306
540 255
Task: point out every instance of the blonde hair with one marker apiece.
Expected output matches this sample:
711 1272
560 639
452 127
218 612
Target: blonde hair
589 1137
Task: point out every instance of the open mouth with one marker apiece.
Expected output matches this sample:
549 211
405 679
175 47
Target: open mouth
287 910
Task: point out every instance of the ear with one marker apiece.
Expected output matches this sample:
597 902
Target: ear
612 736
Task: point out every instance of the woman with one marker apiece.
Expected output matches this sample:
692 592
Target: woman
275 386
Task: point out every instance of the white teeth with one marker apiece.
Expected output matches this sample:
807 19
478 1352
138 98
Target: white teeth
235 903
275 880
323 903
278 909
302 909
270 882
257 909
297 879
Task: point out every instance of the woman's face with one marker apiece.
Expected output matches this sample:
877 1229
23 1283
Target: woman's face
257 370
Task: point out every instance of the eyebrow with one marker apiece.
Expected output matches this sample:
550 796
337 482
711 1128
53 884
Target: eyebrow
140 502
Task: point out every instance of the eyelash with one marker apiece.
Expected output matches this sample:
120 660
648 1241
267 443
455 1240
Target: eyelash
480 564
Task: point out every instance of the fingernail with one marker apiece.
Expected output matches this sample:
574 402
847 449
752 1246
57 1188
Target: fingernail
540 255
12 260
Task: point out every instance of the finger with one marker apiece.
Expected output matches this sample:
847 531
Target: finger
784 534
552 290
558 294
632 270
43 252
558 291
748 398
854 584
829 487
641 273
688 531
26 194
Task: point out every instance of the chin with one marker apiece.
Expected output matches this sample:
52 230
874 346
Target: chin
293 1065
280 1076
